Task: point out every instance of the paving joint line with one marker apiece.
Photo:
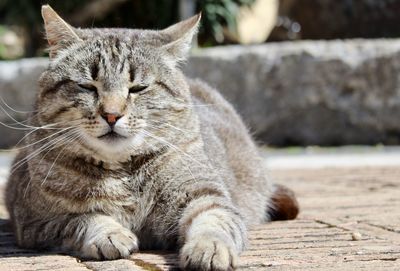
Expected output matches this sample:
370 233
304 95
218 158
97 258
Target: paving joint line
379 226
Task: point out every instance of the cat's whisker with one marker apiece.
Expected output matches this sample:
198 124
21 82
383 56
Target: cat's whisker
27 128
153 147
24 126
35 130
41 149
35 153
43 139
26 136
40 162
185 105
16 121
27 120
172 146
66 143
14 128
61 151
44 156
171 134
169 125
14 110
166 131
198 105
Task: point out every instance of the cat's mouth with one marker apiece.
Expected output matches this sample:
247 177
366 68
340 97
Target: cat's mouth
111 136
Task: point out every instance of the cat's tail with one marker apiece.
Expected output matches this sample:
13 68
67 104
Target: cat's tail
283 204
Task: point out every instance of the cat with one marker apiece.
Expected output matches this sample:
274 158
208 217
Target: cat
126 152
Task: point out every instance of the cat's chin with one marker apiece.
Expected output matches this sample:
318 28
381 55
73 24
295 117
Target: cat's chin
114 147
112 137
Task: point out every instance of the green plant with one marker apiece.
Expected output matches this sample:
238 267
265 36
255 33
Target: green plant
220 13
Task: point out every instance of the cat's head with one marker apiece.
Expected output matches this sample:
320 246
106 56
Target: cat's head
120 90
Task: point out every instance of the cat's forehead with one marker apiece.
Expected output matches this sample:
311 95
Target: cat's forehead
117 45
109 48
110 58
131 36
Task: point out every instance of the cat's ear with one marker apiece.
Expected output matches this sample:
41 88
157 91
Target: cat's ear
59 34
180 37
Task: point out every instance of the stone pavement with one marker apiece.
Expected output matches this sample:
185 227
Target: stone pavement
349 220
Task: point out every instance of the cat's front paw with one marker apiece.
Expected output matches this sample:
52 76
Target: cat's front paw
109 243
207 253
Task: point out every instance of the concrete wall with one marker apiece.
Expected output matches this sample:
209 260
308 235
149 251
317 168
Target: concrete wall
324 93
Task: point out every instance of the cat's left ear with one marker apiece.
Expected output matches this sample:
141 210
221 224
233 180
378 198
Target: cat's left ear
181 36
59 34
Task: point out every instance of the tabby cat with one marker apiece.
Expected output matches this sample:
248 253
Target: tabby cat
126 152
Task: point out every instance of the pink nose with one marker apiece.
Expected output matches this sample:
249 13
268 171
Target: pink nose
111 118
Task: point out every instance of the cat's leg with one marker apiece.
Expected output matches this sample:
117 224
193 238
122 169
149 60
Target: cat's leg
92 236
213 234
104 238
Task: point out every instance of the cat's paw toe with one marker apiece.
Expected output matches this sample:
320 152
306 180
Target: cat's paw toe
116 244
207 254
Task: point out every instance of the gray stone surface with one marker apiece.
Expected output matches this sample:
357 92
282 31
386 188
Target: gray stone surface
324 93
18 86
318 93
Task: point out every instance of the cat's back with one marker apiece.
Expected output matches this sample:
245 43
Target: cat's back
214 110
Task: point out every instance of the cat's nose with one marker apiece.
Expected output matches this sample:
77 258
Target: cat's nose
111 118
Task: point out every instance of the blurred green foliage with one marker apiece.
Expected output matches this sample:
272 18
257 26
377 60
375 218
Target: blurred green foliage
153 14
217 14
2 46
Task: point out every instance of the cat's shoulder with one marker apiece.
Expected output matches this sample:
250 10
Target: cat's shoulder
209 98
205 93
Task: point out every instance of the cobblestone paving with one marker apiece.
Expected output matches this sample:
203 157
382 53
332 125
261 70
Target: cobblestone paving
350 220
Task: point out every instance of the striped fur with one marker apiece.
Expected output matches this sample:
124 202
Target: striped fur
180 171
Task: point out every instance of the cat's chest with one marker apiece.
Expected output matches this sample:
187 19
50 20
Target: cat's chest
132 210
124 191
127 195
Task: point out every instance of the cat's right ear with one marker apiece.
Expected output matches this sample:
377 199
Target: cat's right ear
59 34
180 37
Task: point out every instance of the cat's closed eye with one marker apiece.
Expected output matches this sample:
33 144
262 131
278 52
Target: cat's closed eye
137 89
89 87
